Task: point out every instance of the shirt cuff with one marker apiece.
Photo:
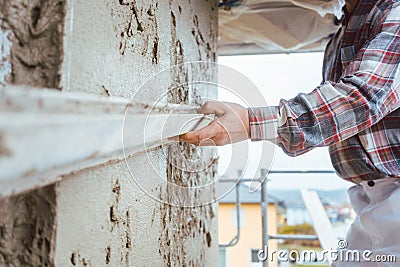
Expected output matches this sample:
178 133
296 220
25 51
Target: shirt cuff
263 123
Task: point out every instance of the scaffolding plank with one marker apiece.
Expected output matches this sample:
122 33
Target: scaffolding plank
320 220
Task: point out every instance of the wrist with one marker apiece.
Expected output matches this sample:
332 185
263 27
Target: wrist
263 122
246 123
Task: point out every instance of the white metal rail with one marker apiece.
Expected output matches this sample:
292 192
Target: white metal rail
264 207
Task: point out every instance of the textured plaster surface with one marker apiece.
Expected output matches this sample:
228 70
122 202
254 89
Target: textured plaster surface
32 42
189 236
105 219
102 216
31 50
135 228
138 40
27 229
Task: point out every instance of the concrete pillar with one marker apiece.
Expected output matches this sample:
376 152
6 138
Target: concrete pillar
102 216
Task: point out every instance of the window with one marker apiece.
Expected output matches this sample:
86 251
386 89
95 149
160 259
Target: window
254 255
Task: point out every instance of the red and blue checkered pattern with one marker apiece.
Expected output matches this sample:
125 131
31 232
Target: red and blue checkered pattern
355 111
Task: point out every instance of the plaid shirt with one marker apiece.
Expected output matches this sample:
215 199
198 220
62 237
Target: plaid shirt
355 111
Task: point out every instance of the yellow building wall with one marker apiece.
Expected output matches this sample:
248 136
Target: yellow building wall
250 233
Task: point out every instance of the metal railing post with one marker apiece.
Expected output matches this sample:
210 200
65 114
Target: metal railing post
236 238
264 208
264 215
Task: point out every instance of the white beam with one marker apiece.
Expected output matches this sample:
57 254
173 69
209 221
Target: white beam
320 220
47 134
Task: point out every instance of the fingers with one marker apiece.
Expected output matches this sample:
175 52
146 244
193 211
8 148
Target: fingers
229 120
216 141
213 107
207 142
199 136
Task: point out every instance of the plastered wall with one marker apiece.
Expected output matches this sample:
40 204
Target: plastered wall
103 216
32 42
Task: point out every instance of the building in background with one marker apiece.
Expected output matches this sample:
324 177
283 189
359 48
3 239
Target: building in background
244 253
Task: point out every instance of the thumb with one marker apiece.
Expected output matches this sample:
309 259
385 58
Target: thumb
195 137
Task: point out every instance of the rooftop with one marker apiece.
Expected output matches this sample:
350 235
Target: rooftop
227 194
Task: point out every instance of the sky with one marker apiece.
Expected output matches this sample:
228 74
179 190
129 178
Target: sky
281 76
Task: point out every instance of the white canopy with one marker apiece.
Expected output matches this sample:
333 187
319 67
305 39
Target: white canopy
276 26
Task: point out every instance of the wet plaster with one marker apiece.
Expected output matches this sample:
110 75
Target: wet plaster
28 228
139 40
102 216
105 219
33 33
187 218
128 54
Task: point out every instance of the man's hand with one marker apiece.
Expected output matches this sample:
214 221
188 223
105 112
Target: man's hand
230 125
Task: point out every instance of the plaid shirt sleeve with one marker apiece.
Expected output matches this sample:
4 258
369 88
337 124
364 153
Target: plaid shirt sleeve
367 91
